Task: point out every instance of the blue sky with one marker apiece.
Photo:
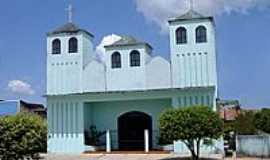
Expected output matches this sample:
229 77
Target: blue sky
242 41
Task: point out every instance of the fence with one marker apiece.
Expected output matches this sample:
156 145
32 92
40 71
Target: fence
253 145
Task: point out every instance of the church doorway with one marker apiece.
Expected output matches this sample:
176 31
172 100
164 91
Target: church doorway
131 128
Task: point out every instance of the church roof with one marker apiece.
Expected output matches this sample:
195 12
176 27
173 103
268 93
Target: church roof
69 28
128 41
191 14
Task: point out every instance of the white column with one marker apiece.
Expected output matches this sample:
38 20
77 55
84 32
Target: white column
108 141
146 140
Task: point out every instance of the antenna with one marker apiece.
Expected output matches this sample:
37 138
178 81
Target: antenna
70 13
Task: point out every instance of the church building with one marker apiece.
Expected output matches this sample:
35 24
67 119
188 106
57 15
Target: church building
127 91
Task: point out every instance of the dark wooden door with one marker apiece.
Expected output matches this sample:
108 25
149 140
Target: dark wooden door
131 128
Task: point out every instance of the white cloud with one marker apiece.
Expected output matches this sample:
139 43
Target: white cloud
158 11
20 87
107 40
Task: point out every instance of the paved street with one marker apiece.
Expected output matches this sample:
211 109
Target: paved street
117 157
131 157
107 157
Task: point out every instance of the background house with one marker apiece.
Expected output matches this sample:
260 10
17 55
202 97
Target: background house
229 109
12 107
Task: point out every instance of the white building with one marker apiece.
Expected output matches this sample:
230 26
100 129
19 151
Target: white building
126 92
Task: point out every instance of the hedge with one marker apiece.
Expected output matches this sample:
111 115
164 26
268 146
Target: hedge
22 136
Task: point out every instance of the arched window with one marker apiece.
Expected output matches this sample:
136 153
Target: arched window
201 35
73 45
56 46
135 58
181 35
116 60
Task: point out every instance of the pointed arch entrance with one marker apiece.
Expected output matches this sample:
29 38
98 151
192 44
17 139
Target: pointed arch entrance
131 128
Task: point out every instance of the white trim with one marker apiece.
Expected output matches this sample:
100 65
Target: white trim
9 101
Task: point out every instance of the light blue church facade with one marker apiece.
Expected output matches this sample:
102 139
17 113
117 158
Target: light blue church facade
127 91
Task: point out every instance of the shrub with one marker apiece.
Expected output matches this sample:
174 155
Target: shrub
191 125
92 137
262 120
22 136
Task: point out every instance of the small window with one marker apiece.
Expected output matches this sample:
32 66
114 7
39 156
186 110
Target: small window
116 60
201 36
135 59
56 46
181 35
73 45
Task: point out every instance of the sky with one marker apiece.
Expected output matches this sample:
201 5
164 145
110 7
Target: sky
242 28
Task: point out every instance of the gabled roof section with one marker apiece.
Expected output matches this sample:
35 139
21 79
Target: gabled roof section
69 28
190 15
128 41
32 106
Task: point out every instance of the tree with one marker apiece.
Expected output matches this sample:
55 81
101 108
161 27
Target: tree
22 136
262 120
244 125
191 125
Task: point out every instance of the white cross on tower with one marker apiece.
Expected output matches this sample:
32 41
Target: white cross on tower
70 13
191 4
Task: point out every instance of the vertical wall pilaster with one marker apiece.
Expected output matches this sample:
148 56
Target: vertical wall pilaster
65 123
175 103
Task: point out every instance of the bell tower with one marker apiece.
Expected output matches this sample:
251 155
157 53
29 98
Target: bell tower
193 50
69 48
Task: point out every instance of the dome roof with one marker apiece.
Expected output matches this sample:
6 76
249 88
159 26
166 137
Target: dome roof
128 41
69 28
191 14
